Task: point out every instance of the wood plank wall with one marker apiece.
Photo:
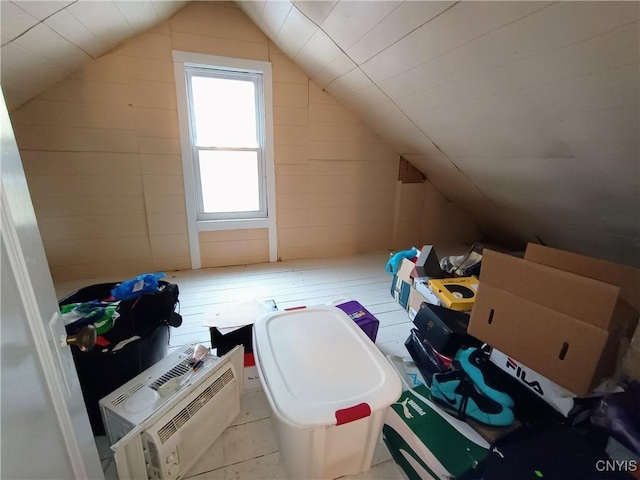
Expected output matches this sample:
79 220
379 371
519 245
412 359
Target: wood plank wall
101 150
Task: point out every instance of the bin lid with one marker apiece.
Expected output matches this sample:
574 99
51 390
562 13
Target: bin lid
319 368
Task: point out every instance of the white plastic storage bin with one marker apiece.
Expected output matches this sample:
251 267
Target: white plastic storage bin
329 388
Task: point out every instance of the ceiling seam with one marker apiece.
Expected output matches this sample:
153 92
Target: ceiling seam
524 89
329 36
46 59
126 19
414 124
518 61
467 43
48 16
409 33
264 6
108 47
23 33
381 20
387 47
158 16
281 26
319 28
308 40
559 115
428 138
41 22
435 145
409 118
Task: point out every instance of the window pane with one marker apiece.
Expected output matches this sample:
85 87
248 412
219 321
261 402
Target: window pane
229 181
224 112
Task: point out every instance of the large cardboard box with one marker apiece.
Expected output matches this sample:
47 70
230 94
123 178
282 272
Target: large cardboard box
415 301
555 312
428 443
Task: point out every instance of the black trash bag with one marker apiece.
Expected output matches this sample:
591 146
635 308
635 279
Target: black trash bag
138 317
103 369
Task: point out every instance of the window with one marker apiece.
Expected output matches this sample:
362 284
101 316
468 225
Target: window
226 123
226 134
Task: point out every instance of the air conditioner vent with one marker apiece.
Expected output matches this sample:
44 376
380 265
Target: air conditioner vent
177 371
165 432
217 385
194 406
122 397
180 419
227 376
206 396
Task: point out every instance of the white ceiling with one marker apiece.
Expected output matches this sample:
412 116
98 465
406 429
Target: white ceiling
524 114
44 41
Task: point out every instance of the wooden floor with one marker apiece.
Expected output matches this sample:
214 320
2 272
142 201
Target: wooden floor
248 449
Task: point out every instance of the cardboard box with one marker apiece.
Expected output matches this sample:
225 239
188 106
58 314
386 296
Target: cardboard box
406 272
401 284
428 443
624 276
563 325
415 301
422 286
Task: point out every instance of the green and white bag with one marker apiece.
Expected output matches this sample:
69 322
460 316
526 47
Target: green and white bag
428 443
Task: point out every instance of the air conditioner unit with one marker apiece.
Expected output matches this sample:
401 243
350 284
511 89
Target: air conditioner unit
160 435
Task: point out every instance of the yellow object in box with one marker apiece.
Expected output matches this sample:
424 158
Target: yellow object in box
455 293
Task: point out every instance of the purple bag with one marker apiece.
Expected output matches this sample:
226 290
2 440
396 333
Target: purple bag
363 318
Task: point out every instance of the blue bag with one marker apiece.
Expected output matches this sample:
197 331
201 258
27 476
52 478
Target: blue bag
135 287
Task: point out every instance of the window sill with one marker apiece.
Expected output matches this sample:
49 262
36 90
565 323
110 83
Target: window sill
234 224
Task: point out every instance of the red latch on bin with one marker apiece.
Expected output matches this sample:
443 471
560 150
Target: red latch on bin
351 414
249 360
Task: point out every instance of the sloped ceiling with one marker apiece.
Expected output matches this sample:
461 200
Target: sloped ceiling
524 114
45 41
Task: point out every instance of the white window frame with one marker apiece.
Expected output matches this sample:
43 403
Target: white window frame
189 165
246 76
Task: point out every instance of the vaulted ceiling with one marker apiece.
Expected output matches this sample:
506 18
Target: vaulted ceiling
524 114
45 41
